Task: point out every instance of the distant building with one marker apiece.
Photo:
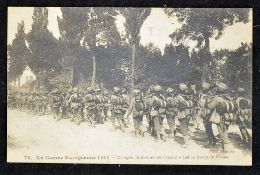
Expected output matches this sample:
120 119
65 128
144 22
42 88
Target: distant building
27 77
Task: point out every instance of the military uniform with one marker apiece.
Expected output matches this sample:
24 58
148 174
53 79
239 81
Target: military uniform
158 112
185 106
224 114
56 101
118 108
206 111
98 99
10 100
75 101
89 107
244 115
138 112
171 110
105 105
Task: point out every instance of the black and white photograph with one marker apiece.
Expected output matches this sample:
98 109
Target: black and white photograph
124 85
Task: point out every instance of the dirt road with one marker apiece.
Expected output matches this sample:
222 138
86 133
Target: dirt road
33 138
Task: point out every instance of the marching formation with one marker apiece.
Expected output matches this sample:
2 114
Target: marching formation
212 104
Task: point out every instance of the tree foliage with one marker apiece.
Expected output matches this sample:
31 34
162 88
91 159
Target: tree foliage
134 19
18 53
43 45
200 24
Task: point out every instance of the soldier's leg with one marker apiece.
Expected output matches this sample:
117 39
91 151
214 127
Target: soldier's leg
105 111
171 122
120 119
157 126
113 120
162 131
136 125
246 139
223 133
184 129
100 116
78 116
91 117
209 132
149 121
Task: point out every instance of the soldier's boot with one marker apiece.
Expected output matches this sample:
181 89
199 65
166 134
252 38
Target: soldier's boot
137 133
186 141
122 127
164 137
91 121
158 136
141 131
173 132
77 120
212 141
245 137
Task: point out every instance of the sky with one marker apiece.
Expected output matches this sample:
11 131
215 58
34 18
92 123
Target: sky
156 28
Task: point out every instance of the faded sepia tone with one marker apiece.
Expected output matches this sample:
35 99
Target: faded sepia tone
129 85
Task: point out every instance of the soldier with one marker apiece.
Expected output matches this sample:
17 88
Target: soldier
89 107
32 102
206 110
81 106
10 100
56 100
118 108
37 103
223 115
171 110
158 112
138 112
44 102
75 106
185 105
105 107
194 98
244 115
66 112
98 106
147 112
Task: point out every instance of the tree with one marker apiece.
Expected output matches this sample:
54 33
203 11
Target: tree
96 32
202 24
18 53
42 44
90 28
45 56
239 67
134 19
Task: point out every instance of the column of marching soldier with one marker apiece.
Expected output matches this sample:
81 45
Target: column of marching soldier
213 105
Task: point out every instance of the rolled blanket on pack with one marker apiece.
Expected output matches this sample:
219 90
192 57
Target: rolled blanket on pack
159 103
99 99
244 104
184 103
118 100
90 98
170 102
139 106
230 117
225 106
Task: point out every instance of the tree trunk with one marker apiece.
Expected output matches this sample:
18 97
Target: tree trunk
133 69
14 84
206 60
132 78
19 81
74 75
93 80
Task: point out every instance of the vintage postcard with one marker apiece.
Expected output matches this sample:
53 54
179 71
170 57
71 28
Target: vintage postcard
129 85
